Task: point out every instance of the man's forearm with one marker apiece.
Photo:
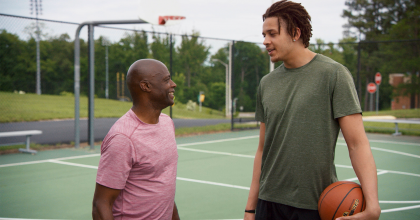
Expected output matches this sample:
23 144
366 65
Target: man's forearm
365 169
255 184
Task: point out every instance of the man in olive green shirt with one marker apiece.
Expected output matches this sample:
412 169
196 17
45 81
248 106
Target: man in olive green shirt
302 105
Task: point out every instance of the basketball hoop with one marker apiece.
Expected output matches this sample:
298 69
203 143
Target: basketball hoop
163 19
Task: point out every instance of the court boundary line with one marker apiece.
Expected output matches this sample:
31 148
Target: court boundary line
400 209
389 151
378 173
387 142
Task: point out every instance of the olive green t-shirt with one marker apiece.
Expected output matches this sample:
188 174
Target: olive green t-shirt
300 108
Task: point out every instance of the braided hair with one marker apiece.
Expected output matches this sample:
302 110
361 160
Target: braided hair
294 15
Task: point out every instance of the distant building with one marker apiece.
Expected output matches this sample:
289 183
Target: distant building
402 102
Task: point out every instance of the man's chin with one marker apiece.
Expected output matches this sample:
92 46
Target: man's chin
274 59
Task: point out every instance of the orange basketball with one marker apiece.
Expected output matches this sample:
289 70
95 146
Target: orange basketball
342 198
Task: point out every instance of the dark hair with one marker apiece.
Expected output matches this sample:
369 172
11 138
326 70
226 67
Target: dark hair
294 15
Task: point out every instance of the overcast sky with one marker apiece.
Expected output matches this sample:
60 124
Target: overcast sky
230 19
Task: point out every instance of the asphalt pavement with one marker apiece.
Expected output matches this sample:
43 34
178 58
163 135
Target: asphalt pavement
62 131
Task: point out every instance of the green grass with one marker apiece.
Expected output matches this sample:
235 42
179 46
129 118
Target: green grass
389 128
406 113
32 107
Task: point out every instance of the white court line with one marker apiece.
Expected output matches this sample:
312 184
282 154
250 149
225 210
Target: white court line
355 178
388 142
380 170
44 161
217 141
390 151
215 152
73 164
212 183
396 152
401 209
178 178
399 202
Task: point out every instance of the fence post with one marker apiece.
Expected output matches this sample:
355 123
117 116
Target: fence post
232 81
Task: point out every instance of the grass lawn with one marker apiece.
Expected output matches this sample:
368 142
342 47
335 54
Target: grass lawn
32 107
406 113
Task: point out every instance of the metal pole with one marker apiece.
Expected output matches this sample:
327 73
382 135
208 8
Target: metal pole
371 102
77 71
170 68
377 98
77 87
38 64
271 65
358 84
226 90
231 81
228 83
106 73
91 43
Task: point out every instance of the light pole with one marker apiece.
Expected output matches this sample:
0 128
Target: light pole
227 91
38 10
106 43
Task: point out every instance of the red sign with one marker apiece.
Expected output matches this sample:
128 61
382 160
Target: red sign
378 78
371 88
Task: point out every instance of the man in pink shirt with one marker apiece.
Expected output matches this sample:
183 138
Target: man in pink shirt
137 170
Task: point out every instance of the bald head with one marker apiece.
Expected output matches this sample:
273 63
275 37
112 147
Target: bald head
149 81
142 70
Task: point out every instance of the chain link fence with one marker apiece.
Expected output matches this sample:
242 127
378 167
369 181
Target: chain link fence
200 67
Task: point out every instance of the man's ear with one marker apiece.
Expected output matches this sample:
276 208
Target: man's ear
145 86
297 33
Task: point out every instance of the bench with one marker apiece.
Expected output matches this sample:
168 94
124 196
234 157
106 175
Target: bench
28 135
396 121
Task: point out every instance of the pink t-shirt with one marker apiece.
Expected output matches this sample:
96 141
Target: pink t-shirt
141 160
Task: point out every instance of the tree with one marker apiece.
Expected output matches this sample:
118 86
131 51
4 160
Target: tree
192 54
374 20
251 64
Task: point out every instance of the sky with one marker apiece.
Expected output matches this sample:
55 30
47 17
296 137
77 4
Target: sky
228 19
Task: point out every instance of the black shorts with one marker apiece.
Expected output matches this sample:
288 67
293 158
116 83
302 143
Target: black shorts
275 211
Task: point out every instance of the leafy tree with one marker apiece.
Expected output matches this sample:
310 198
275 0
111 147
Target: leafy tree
251 64
15 68
160 48
192 53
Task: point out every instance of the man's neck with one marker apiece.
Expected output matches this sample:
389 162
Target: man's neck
146 114
299 58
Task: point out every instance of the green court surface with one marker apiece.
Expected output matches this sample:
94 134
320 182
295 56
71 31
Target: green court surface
214 175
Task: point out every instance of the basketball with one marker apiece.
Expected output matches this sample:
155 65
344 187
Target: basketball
342 198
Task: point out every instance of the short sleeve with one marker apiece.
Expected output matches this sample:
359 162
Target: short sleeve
259 109
344 99
117 156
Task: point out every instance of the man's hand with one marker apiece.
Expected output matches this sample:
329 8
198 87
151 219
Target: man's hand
367 214
103 200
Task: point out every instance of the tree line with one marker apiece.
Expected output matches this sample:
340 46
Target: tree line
380 26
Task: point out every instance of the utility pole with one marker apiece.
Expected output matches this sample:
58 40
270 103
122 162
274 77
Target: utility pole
106 43
38 10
